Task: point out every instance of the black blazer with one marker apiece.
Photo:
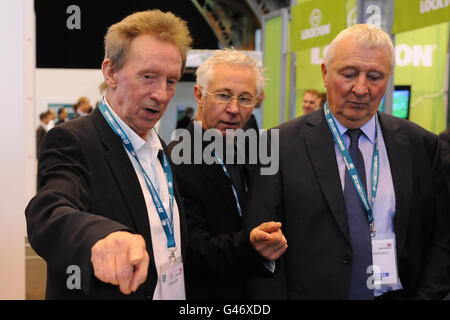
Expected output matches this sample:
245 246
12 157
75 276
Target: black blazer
444 138
87 189
221 256
40 133
306 195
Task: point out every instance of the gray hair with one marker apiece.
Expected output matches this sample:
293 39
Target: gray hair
232 57
366 35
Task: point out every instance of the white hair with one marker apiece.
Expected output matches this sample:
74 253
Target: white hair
366 35
231 57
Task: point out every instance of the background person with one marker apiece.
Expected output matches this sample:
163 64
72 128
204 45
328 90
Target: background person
186 119
41 130
62 116
311 101
81 107
51 121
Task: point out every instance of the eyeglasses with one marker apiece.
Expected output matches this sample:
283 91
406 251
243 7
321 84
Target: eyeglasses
245 101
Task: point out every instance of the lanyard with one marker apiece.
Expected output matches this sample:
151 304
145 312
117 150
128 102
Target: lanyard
231 180
165 221
352 170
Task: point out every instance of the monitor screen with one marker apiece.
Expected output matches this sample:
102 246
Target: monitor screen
400 102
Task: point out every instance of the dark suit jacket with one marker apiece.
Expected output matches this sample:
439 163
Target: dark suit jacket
59 122
40 133
183 123
87 189
306 195
221 256
444 138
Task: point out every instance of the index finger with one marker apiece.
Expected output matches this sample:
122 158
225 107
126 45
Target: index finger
124 271
140 273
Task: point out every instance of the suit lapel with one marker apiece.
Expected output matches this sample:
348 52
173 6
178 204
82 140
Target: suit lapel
125 176
215 174
320 145
398 149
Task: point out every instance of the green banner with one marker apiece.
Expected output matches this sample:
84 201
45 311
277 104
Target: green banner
272 63
309 74
316 23
421 63
413 14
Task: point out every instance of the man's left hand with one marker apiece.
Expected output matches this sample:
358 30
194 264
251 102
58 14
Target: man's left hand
268 240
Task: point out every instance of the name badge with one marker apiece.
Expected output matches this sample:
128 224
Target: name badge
172 280
384 260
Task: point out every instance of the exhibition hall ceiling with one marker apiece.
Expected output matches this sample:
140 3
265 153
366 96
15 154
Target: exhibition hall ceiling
69 33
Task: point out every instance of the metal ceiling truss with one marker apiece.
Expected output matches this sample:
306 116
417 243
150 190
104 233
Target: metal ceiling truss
234 21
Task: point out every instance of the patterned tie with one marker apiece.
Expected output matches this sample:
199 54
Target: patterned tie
358 225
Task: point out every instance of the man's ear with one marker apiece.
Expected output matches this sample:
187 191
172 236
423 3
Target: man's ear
259 99
198 95
324 74
109 74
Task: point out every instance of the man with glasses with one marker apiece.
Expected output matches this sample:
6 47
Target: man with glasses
222 255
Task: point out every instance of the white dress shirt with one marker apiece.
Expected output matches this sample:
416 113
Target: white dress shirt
147 152
384 206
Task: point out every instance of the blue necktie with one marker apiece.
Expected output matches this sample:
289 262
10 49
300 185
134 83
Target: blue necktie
358 225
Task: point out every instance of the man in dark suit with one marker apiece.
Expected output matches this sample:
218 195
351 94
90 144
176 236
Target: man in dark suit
62 116
96 219
187 118
222 254
444 138
41 130
393 205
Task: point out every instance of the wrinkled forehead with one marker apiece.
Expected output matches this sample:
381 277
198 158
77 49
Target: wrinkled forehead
349 53
350 49
232 77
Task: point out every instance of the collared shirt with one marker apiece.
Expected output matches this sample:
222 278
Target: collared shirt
384 205
147 152
50 125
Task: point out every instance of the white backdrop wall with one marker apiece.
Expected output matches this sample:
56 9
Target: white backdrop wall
17 161
67 85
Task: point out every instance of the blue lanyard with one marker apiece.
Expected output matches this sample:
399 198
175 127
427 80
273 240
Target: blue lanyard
352 170
231 180
165 221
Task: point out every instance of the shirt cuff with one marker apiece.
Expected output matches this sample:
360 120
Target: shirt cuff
270 265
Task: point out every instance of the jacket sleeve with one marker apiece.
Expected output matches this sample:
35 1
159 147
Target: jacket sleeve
60 227
435 282
218 256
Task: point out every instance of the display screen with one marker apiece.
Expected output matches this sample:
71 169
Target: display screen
400 101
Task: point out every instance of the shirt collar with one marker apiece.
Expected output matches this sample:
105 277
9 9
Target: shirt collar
368 128
151 139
